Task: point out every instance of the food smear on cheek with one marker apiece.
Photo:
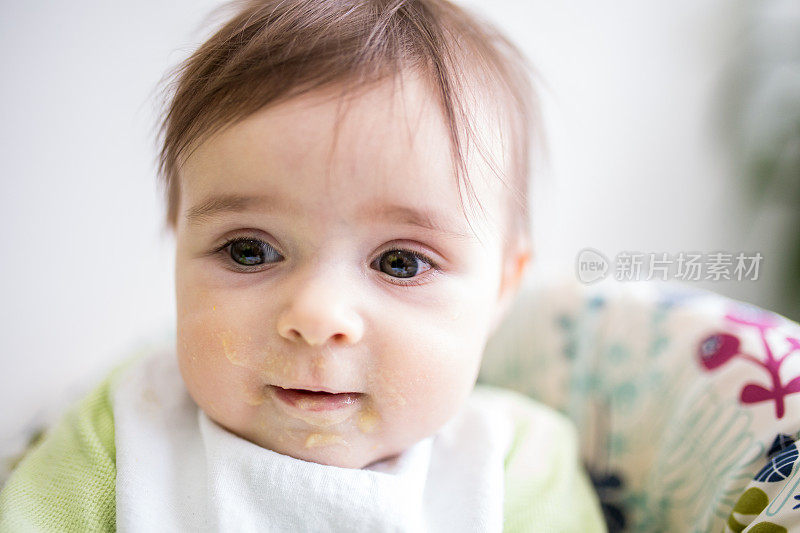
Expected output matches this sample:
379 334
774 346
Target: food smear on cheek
401 401
273 368
254 399
226 338
368 420
315 440
269 363
187 350
395 396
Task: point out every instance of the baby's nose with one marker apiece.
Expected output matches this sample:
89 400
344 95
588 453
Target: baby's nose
318 311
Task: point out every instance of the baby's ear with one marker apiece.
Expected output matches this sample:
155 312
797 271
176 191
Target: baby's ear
516 261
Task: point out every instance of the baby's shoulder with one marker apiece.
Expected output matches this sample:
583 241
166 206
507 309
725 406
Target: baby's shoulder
513 425
66 479
522 411
545 482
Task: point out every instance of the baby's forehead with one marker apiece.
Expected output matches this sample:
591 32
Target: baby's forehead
387 143
408 103
387 127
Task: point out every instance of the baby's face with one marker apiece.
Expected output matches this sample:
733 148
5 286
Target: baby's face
323 290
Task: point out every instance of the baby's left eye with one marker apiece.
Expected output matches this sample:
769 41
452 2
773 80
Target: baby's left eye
402 263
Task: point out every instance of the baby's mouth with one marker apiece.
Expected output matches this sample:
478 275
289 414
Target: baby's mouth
308 400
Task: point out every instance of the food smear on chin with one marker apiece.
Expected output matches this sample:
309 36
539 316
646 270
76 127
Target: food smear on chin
316 440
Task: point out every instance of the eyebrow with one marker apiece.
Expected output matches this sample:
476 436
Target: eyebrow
218 205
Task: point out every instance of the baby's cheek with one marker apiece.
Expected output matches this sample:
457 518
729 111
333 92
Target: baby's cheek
208 355
420 392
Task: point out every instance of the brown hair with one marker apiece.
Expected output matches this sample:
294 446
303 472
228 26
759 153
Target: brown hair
272 50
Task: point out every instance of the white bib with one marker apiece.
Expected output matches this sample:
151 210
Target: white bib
177 470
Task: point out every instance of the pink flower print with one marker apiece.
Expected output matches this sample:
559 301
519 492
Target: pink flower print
717 349
753 316
720 347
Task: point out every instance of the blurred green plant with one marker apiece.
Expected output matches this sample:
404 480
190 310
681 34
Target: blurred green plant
763 124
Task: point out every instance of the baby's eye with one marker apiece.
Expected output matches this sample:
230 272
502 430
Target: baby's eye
251 252
402 263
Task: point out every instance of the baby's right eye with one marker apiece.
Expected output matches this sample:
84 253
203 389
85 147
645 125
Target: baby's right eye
250 252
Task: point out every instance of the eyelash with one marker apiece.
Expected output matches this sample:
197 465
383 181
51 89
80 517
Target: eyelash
434 270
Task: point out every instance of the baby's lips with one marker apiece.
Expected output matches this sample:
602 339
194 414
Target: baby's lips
309 400
314 388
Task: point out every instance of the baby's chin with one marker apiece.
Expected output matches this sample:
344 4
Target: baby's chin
344 444
341 455
331 448
347 436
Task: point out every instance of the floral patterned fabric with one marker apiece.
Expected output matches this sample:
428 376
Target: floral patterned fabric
687 402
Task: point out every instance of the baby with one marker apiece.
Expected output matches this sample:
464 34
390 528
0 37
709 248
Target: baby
347 185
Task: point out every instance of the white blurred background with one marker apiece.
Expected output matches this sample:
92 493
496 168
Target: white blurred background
639 160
